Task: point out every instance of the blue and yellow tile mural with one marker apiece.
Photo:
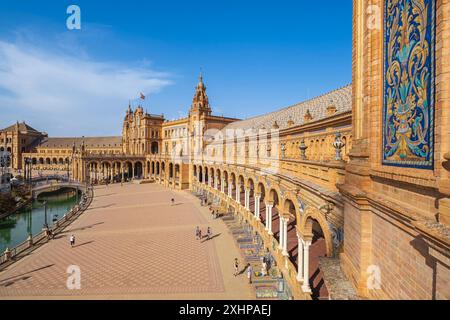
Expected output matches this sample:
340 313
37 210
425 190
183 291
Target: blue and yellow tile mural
409 72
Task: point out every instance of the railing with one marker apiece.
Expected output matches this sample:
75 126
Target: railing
286 266
59 225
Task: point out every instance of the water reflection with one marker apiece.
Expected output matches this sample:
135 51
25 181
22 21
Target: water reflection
16 228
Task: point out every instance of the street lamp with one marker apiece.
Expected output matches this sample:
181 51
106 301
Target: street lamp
45 210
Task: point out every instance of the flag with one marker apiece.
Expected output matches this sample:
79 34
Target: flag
142 96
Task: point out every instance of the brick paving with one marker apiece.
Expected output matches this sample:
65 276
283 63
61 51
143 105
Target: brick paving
133 244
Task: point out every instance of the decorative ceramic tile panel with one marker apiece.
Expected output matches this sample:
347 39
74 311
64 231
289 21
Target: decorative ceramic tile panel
409 72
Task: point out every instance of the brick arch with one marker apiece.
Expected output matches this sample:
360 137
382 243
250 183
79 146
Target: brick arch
251 182
233 177
321 245
273 190
225 175
241 179
306 227
293 198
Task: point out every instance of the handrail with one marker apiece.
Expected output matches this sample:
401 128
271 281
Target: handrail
59 225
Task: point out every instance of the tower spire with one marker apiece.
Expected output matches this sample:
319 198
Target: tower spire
200 103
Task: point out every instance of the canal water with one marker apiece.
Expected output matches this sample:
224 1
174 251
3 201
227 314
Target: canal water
15 228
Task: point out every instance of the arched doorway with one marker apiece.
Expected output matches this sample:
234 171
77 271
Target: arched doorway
251 187
241 190
170 170
291 237
233 185
138 170
177 173
225 180
262 205
317 250
273 196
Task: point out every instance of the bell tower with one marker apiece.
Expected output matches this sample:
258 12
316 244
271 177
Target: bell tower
200 103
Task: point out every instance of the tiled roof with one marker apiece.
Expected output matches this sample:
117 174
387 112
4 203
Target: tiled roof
89 142
341 99
23 127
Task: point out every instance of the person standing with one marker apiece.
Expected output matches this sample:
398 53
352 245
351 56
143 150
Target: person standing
173 201
72 240
208 233
249 273
264 267
236 267
197 233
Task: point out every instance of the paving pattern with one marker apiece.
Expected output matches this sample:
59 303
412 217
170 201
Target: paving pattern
133 243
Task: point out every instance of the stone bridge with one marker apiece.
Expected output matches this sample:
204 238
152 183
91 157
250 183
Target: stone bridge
55 186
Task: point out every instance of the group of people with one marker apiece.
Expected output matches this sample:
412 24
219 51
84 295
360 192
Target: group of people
48 232
214 213
199 235
249 269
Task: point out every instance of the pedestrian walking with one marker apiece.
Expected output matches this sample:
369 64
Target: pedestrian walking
197 233
72 240
208 233
173 201
249 273
200 234
236 267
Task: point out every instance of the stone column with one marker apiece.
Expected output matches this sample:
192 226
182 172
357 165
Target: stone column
230 189
269 206
222 186
305 287
257 209
299 258
145 170
123 171
281 237
204 176
132 169
285 237
216 183
247 198
238 193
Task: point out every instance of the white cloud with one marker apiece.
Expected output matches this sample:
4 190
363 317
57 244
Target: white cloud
69 95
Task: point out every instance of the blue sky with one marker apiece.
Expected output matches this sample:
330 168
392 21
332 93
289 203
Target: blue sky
256 57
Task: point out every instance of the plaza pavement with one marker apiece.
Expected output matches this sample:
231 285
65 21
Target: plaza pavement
133 244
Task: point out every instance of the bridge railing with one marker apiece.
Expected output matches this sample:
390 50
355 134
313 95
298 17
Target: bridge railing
10 255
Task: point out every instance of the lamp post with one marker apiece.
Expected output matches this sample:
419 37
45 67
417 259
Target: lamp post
45 212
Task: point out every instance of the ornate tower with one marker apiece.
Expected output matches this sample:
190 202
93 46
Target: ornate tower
200 104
